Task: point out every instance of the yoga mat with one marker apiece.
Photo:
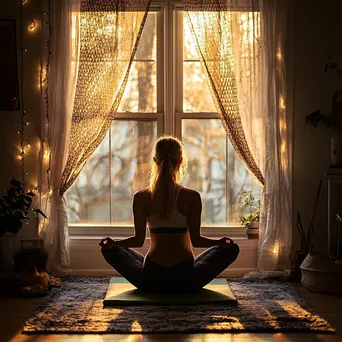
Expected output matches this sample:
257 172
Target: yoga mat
121 293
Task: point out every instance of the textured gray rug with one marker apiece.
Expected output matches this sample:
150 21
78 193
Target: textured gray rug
263 306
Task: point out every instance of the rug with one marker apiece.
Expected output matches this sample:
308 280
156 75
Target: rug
263 306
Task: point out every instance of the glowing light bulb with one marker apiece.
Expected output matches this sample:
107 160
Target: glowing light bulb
279 55
46 155
275 249
32 26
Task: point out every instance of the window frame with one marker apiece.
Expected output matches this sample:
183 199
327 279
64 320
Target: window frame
169 112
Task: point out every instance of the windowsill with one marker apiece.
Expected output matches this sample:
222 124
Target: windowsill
125 231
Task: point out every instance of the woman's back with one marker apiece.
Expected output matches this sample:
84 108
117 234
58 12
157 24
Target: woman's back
170 239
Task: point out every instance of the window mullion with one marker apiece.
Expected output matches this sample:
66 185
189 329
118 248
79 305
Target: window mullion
178 77
110 175
168 69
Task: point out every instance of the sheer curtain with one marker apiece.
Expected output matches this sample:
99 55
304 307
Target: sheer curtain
240 43
93 44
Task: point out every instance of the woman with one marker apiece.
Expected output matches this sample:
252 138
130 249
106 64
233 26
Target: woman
173 215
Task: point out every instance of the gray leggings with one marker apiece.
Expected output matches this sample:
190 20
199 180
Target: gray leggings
189 275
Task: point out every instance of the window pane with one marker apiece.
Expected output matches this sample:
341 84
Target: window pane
147 48
196 93
189 48
131 143
215 171
141 90
88 199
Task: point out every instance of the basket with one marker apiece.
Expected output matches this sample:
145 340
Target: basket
319 274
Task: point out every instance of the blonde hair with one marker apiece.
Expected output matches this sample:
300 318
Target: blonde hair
167 166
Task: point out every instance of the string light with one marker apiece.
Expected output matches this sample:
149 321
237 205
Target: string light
44 85
25 144
33 25
275 249
21 155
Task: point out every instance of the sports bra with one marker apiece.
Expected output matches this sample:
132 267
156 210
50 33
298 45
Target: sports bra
174 223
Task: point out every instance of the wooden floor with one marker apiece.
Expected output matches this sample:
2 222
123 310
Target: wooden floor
15 311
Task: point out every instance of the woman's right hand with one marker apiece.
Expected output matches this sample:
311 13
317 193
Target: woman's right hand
107 243
225 242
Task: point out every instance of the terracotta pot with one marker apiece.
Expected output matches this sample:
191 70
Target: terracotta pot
252 230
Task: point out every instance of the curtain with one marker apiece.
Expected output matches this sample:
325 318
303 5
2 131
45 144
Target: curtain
240 44
92 47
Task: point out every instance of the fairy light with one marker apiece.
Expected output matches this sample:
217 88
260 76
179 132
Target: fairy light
275 249
32 26
25 143
21 132
279 55
45 145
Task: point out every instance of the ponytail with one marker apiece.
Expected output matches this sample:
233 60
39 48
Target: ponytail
165 173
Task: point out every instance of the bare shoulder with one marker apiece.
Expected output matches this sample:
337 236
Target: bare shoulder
190 195
190 192
142 194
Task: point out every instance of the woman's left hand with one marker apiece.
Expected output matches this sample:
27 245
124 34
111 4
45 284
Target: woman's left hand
107 243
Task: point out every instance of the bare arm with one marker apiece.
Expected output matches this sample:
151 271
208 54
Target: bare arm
139 225
194 224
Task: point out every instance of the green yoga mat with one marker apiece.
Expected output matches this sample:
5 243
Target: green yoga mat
121 293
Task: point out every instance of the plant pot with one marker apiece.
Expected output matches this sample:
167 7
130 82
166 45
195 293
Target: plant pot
7 243
336 151
252 230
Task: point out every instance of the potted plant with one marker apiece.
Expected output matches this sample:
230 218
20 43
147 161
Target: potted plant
333 119
14 210
251 204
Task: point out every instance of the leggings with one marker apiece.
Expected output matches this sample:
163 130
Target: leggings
190 275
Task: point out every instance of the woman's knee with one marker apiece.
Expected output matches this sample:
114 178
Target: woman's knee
108 253
232 251
235 250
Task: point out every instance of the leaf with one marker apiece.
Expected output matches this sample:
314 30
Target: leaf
38 211
28 198
15 183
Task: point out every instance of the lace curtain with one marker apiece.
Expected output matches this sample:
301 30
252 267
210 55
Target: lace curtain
93 45
240 44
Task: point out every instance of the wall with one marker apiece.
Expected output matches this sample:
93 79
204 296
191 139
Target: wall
317 28
317 33
10 120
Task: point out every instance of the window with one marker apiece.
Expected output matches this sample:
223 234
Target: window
167 92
